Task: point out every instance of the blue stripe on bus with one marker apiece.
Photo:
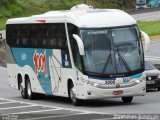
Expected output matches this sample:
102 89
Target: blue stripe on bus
137 75
31 56
24 56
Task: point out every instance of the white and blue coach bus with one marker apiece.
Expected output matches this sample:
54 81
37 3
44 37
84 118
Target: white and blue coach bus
82 53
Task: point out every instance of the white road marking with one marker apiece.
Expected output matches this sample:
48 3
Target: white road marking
58 116
3 68
6 102
38 111
8 108
54 107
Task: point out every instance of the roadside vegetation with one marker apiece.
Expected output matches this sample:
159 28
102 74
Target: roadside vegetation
21 8
152 28
18 8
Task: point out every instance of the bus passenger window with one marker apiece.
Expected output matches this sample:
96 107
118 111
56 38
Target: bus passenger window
33 36
24 36
51 36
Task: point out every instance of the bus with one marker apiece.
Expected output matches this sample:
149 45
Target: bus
82 53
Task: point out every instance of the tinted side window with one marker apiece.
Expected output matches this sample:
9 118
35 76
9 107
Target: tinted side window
52 41
34 35
24 36
57 36
13 35
51 36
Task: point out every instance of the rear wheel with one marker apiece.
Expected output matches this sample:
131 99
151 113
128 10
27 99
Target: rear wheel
30 94
23 91
127 99
72 95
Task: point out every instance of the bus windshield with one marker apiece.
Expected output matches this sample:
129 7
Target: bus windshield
112 51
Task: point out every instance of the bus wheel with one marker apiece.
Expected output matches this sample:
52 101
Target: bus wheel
127 99
23 91
73 97
30 94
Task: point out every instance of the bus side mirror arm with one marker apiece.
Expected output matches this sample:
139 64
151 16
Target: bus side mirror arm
79 43
146 41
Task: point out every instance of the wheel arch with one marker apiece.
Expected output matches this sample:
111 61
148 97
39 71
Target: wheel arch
19 80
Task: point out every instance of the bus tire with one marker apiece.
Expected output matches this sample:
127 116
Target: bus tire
31 95
23 91
127 99
72 95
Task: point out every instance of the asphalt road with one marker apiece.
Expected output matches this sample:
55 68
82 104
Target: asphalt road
149 16
153 54
58 108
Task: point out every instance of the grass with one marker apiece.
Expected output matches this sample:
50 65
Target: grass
29 12
20 9
24 8
152 28
2 23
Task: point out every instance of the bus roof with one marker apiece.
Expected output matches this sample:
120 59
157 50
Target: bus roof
81 16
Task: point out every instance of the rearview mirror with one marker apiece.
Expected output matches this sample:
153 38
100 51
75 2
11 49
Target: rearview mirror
79 43
146 41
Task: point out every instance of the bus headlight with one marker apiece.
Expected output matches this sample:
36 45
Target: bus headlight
91 83
94 84
139 81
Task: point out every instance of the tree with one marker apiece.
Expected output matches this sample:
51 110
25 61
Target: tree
6 3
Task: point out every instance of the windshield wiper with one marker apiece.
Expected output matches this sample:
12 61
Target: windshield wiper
107 61
123 60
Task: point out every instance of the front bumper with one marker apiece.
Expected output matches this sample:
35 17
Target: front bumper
98 93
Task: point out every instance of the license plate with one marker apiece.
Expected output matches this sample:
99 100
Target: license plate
110 82
118 92
150 82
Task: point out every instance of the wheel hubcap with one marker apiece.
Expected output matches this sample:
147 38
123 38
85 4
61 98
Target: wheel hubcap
72 94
